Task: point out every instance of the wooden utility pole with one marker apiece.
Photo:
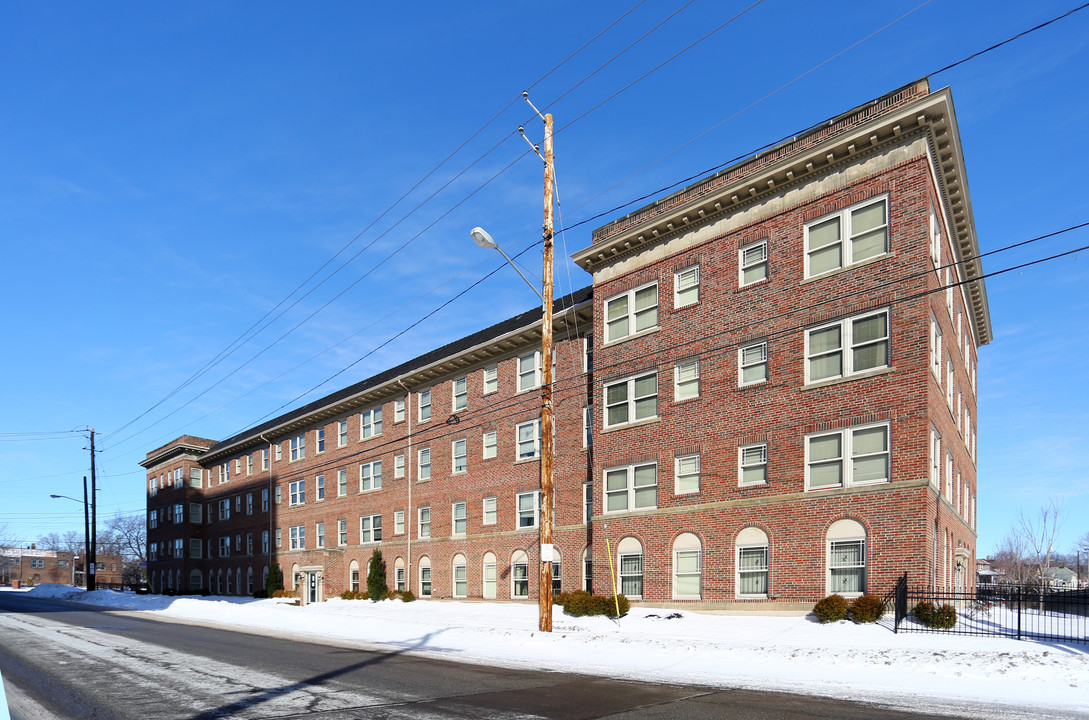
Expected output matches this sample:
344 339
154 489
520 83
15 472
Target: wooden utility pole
86 537
92 561
547 449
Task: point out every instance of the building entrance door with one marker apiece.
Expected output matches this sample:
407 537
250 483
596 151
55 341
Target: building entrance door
310 580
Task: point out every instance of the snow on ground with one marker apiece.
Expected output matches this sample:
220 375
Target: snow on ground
793 654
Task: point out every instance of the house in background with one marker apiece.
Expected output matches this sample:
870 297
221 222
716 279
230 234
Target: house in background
766 395
26 567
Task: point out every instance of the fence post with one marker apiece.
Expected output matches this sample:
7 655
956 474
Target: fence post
1019 606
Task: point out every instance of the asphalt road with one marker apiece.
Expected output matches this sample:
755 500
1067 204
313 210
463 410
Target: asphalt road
62 660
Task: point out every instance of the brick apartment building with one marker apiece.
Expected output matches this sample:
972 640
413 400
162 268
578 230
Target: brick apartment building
767 394
30 566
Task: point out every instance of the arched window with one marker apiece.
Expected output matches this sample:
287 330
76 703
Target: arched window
196 582
249 581
230 586
687 567
295 576
353 576
488 575
519 575
219 581
425 577
588 570
846 562
752 563
461 576
399 574
555 572
629 561
238 580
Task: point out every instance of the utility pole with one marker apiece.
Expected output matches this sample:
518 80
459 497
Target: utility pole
547 449
86 536
92 560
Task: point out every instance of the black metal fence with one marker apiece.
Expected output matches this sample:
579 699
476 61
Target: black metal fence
1005 611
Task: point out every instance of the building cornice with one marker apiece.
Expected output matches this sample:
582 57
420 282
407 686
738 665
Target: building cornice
885 122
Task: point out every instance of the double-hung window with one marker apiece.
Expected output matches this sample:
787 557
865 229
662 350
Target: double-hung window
370 423
424 405
399 466
423 467
753 464
686 286
528 509
688 474
457 519
370 529
630 400
686 380
321 447
847 566
752 364
752 571
491 379
370 476
297 536
529 439
490 444
298 447
342 433
399 410
633 487
458 456
319 487
297 491
460 389
529 371
490 510
847 347
631 312
423 522
848 237
752 263
342 532
852 456
398 522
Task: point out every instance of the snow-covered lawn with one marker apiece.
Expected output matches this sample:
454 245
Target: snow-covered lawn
792 654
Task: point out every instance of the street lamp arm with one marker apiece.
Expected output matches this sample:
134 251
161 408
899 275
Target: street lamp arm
531 285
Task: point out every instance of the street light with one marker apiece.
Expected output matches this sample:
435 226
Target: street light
484 240
89 540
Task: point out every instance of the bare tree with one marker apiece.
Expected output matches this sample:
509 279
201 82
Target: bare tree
49 541
128 535
1039 532
1012 559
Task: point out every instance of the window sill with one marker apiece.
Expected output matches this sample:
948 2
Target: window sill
754 384
857 376
760 484
633 336
636 423
535 458
755 283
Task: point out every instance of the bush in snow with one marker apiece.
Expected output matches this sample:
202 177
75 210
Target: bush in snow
933 616
866 609
580 603
376 577
831 609
353 595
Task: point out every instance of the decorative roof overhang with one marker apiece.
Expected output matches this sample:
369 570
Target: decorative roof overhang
887 121
175 449
417 374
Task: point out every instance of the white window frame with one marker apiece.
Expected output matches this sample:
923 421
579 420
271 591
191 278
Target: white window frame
630 403
425 577
342 433
686 388
370 423
370 529
459 521
370 476
459 456
754 455
744 262
297 493
629 491
685 469
847 457
521 513
298 448
491 379
319 441
520 443
342 482
846 236
342 532
529 379
763 569
423 405
745 361
631 317
296 537
490 447
847 347
398 522
423 522
423 464
490 510
459 575
459 393
398 410
399 466
684 281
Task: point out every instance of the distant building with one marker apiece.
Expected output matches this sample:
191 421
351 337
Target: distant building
30 566
767 395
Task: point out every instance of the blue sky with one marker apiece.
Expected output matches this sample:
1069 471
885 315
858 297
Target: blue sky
169 174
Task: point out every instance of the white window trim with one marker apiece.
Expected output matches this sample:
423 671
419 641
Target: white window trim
399 466
846 456
630 401
846 258
454 456
492 370
398 522
741 464
677 474
536 510
741 365
694 380
454 518
463 395
370 423
493 447
420 405
846 347
678 276
738 569
494 511
374 475
536 371
536 441
372 527
630 488
631 313
420 464
420 522
742 266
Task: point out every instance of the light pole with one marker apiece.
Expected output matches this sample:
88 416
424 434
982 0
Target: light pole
484 240
88 574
